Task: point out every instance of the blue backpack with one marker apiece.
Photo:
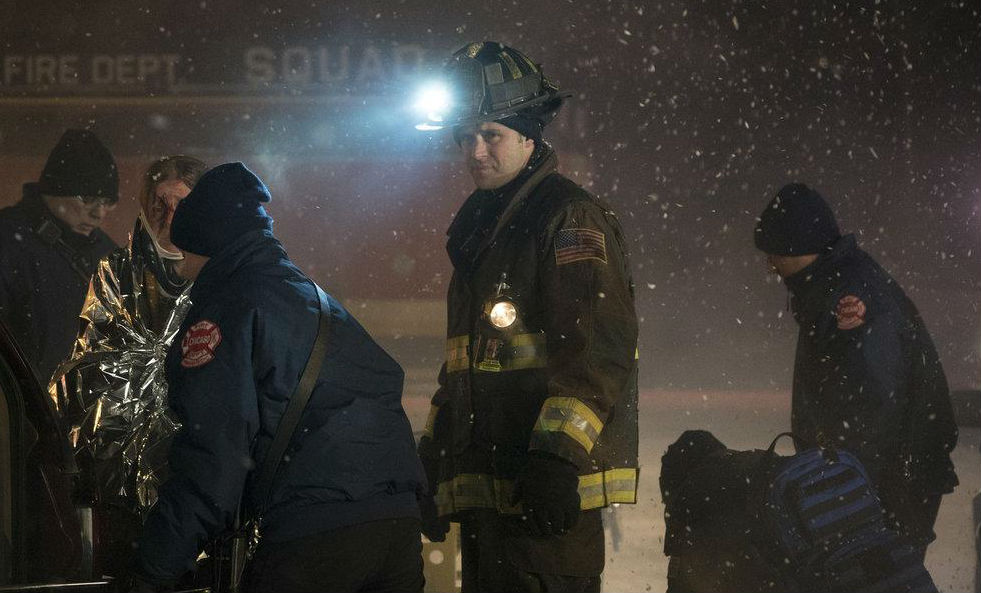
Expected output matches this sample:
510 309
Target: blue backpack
821 522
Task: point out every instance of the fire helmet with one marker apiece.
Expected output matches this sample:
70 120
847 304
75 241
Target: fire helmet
488 81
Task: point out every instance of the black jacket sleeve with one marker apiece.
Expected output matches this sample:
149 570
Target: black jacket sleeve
216 404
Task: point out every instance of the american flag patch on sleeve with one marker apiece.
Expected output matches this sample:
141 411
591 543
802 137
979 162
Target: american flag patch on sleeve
572 245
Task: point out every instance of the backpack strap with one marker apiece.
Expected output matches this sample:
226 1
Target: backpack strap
799 443
829 451
761 476
294 410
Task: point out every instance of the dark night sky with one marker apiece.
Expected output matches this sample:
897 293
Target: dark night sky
687 117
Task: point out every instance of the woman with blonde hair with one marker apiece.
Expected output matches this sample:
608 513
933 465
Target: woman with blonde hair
112 392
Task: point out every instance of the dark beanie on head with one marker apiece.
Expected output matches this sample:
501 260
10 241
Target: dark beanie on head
796 222
80 165
527 125
224 204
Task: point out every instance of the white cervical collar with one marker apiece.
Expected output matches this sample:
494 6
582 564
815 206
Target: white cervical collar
163 253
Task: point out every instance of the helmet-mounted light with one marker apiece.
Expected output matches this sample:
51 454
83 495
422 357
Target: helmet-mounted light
433 101
487 81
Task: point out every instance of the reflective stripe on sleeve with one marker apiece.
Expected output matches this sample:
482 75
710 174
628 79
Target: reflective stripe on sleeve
572 417
604 488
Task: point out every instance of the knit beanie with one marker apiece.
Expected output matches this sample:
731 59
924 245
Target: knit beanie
224 204
796 222
80 165
525 124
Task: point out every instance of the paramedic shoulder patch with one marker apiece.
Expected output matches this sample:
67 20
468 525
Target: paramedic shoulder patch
572 245
850 312
199 343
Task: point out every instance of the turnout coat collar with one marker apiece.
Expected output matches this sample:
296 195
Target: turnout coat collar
486 212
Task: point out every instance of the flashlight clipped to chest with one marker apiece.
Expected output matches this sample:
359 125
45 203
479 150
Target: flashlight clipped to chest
501 332
501 311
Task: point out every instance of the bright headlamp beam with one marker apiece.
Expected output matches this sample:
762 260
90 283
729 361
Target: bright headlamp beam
433 98
432 101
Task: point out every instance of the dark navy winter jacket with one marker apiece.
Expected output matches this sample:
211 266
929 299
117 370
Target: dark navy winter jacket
868 377
231 372
44 275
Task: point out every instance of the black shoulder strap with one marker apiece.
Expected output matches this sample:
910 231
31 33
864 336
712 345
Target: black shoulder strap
291 417
49 232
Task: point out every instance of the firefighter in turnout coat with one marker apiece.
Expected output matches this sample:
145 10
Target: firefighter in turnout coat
533 429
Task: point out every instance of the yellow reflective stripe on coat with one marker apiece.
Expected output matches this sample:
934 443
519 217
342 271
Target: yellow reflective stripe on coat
475 491
457 357
527 351
483 491
572 417
518 352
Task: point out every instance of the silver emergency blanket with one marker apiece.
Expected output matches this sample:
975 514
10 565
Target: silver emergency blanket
112 391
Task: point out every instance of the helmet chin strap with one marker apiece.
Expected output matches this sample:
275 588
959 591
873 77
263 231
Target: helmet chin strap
163 253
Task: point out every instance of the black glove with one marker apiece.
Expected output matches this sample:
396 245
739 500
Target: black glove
434 527
548 489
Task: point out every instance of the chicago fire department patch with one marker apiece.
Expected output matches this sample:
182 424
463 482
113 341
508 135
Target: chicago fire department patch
572 245
199 343
850 312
